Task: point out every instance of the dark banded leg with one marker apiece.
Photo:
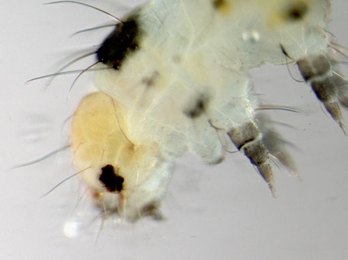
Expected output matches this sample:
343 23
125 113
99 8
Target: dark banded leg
328 85
259 142
248 139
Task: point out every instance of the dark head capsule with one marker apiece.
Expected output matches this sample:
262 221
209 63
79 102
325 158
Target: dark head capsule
119 44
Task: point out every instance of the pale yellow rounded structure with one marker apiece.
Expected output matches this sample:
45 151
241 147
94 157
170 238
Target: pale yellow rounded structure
98 142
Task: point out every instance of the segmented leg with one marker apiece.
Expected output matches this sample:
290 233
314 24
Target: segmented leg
248 139
328 85
259 141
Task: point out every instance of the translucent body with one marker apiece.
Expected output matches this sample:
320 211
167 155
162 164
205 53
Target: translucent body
190 53
182 74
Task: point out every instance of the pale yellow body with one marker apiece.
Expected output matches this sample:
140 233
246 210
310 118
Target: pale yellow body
98 138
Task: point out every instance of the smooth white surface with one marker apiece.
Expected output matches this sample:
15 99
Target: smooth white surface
221 212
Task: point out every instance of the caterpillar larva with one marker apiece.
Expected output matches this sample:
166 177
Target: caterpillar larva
174 73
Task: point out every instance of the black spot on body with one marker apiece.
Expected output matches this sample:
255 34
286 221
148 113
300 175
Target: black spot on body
119 44
151 80
198 109
111 180
223 7
218 3
296 11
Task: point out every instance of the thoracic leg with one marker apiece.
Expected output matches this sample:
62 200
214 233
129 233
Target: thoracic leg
259 142
328 85
248 139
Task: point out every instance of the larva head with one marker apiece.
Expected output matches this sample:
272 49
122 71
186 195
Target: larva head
118 172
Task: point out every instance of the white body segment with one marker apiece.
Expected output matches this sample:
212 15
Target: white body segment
183 76
191 50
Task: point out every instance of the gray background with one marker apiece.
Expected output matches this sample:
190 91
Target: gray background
221 212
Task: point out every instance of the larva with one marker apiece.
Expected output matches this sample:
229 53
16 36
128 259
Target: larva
172 74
